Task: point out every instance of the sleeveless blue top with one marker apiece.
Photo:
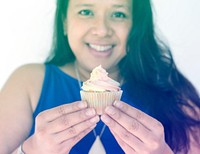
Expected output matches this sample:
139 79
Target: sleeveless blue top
59 88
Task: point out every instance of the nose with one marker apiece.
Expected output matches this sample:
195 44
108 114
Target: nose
102 27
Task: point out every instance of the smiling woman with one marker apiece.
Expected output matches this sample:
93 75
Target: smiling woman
159 111
104 30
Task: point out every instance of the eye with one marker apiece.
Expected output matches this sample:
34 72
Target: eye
119 15
85 13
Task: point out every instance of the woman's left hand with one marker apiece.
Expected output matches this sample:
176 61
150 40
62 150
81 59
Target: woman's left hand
135 131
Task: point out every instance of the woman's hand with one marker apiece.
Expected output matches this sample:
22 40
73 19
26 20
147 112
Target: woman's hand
57 130
135 131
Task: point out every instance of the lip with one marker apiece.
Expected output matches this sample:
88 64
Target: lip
98 50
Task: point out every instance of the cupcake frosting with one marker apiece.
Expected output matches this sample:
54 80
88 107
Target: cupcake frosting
99 81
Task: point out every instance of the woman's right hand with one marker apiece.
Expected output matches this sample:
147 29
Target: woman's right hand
58 129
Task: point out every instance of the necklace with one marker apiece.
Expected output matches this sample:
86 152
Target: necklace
97 147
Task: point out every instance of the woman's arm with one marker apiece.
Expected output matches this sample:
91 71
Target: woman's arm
194 144
57 129
18 99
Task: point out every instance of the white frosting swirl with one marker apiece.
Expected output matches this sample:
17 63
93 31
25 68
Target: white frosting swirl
99 81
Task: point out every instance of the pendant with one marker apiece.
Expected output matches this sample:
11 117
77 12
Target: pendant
97 147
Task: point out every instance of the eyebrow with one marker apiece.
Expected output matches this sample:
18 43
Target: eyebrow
114 5
122 6
79 5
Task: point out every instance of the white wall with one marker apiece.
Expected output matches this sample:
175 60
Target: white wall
26 30
179 21
25 33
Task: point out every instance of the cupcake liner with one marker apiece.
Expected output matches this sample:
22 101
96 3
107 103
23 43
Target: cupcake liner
99 100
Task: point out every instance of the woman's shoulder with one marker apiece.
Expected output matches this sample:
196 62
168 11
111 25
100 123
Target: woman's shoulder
29 78
28 74
30 68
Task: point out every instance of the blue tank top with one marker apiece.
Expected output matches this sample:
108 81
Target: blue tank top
59 88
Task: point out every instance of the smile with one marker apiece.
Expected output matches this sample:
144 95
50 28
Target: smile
100 48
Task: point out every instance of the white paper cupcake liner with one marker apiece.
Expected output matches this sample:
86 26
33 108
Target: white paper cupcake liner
99 100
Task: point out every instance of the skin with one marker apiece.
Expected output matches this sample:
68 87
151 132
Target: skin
135 131
103 24
58 129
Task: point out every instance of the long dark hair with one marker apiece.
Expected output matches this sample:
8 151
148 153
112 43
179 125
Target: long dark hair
61 52
151 69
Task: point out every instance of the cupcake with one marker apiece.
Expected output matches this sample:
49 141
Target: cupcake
100 90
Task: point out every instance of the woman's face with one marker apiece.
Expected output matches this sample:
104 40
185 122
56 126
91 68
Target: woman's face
98 30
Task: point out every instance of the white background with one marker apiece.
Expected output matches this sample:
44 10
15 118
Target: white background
26 31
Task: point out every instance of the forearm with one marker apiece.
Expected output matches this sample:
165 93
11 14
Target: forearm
7 145
15 152
24 148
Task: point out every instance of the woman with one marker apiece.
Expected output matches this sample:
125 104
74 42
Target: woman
159 109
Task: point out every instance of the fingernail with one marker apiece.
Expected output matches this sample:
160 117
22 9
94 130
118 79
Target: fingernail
110 110
82 104
117 104
94 120
90 112
105 119
92 127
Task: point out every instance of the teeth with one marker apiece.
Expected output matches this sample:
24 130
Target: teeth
100 48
